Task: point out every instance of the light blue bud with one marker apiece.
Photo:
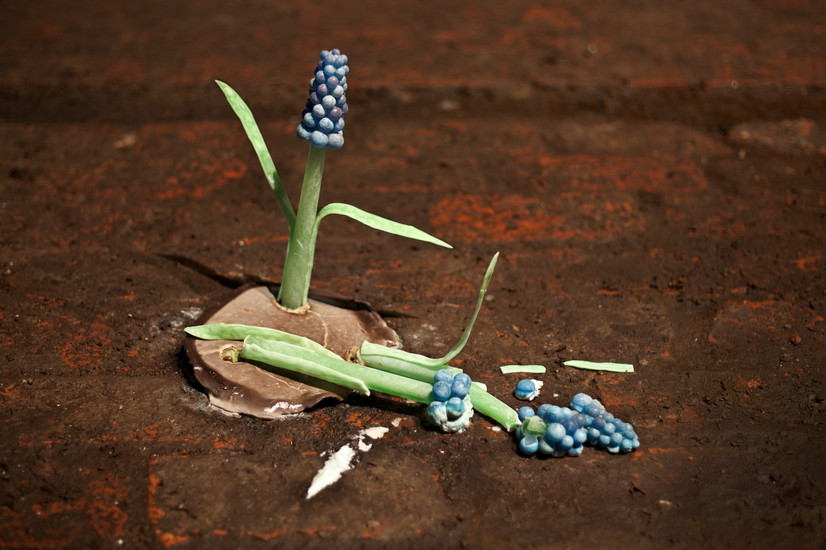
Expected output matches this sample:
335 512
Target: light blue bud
443 375
302 133
335 141
555 432
441 391
529 445
328 102
318 111
455 407
308 120
329 70
325 125
318 139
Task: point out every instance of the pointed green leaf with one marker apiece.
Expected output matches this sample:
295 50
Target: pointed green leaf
377 222
254 134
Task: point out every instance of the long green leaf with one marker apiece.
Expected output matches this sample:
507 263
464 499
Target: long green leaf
377 222
233 331
254 134
375 354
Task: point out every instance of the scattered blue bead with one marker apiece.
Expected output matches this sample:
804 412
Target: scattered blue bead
525 389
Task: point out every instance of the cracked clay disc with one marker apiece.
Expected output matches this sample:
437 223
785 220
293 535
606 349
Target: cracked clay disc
337 323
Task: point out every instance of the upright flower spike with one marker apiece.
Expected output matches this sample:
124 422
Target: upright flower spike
322 121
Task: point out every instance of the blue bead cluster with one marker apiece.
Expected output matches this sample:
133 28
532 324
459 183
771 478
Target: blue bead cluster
451 408
322 121
560 431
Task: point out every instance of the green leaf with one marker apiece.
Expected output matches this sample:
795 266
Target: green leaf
254 134
375 354
233 331
377 222
527 369
609 367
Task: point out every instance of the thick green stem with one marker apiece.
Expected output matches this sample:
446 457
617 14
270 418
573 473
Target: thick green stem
298 359
298 267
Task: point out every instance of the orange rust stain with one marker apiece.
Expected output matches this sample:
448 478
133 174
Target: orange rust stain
607 292
220 532
230 444
107 517
456 125
557 18
170 539
274 534
805 263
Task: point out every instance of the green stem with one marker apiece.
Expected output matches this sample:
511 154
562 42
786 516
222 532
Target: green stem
298 267
297 359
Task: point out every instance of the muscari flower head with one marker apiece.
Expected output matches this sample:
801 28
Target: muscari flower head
322 121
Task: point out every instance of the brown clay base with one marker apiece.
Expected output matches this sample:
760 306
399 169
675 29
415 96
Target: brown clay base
337 323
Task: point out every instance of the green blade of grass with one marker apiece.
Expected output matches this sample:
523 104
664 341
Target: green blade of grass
379 223
374 354
254 134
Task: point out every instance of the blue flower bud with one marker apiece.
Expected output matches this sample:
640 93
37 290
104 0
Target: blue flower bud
555 432
328 102
455 407
318 139
443 375
529 445
308 120
441 390
302 133
525 412
326 125
335 141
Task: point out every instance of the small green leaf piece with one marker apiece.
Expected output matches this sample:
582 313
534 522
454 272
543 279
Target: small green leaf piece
528 369
608 367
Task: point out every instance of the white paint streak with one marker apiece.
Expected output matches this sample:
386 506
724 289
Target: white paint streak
341 461
331 472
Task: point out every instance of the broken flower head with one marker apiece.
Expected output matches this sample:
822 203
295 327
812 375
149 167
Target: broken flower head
322 121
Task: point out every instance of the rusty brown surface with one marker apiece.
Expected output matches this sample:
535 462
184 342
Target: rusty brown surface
652 173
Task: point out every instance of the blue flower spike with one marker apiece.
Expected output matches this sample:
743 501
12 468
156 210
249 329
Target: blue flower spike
322 121
563 431
451 408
